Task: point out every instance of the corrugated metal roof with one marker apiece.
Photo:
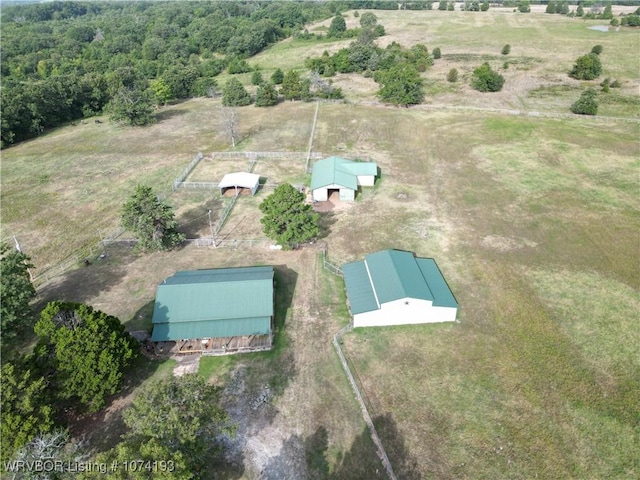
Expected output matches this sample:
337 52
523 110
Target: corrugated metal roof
240 179
442 295
164 332
391 275
360 291
340 171
395 274
196 297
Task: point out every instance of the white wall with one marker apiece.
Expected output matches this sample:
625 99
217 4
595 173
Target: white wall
321 194
398 313
366 180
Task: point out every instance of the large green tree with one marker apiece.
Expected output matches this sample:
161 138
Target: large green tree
181 414
294 87
287 218
90 349
266 95
132 106
234 94
150 220
16 290
485 79
26 405
400 85
337 27
587 104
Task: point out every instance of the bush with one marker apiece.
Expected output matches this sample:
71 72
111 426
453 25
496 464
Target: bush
452 76
587 67
484 79
238 66
597 49
256 78
615 84
506 49
614 22
277 77
234 94
586 104
436 53
266 95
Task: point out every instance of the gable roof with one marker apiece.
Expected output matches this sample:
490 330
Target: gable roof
214 303
340 171
391 275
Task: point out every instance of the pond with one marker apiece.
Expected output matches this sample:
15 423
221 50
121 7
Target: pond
601 28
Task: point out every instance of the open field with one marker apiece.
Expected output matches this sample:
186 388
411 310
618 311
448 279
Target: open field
534 222
543 49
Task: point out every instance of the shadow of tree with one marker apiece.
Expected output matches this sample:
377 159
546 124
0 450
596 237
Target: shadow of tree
404 465
196 221
169 113
325 222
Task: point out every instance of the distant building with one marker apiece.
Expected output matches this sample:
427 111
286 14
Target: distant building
216 311
394 287
341 175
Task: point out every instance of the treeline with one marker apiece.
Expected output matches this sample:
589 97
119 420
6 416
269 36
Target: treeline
66 60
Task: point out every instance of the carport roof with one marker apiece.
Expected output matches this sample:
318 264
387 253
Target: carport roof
240 179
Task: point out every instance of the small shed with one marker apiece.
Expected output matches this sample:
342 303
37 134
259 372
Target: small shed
216 310
394 287
342 175
238 181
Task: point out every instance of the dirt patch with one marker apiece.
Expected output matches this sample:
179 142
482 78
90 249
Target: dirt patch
186 364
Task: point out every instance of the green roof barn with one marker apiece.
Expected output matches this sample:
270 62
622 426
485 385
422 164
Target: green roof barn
216 309
342 175
393 287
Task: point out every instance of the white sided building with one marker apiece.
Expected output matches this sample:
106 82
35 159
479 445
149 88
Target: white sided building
341 175
394 287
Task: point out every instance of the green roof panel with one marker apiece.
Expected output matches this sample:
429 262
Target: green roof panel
396 275
442 295
340 171
359 290
211 329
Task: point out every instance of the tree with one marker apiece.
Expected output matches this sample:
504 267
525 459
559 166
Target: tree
452 76
161 91
436 53
506 50
26 407
524 6
266 95
234 94
90 349
150 220
368 19
292 86
586 104
179 414
400 85
287 219
484 79
597 49
131 106
485 6
230 119
587 67
256 78
551 7
16 290
579 10
169 464
338 25
277 76
442 5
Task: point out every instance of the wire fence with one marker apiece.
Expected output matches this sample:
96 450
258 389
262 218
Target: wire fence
300 155
195 185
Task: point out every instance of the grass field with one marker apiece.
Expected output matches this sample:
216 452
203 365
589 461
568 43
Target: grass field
534 222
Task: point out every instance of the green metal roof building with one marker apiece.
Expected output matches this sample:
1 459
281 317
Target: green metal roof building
394 287
214 303
337 173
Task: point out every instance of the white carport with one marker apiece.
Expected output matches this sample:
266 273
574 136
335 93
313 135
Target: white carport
239 180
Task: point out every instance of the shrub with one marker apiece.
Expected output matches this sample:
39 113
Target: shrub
484 79
277 77
506 49
614 22
452 76
597 49
234 94
436 53
266 95
615 84
256 78
587 67
586 104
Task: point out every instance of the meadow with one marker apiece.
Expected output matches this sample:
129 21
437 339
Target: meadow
533 220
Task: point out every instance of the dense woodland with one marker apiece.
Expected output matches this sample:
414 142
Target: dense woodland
62 61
